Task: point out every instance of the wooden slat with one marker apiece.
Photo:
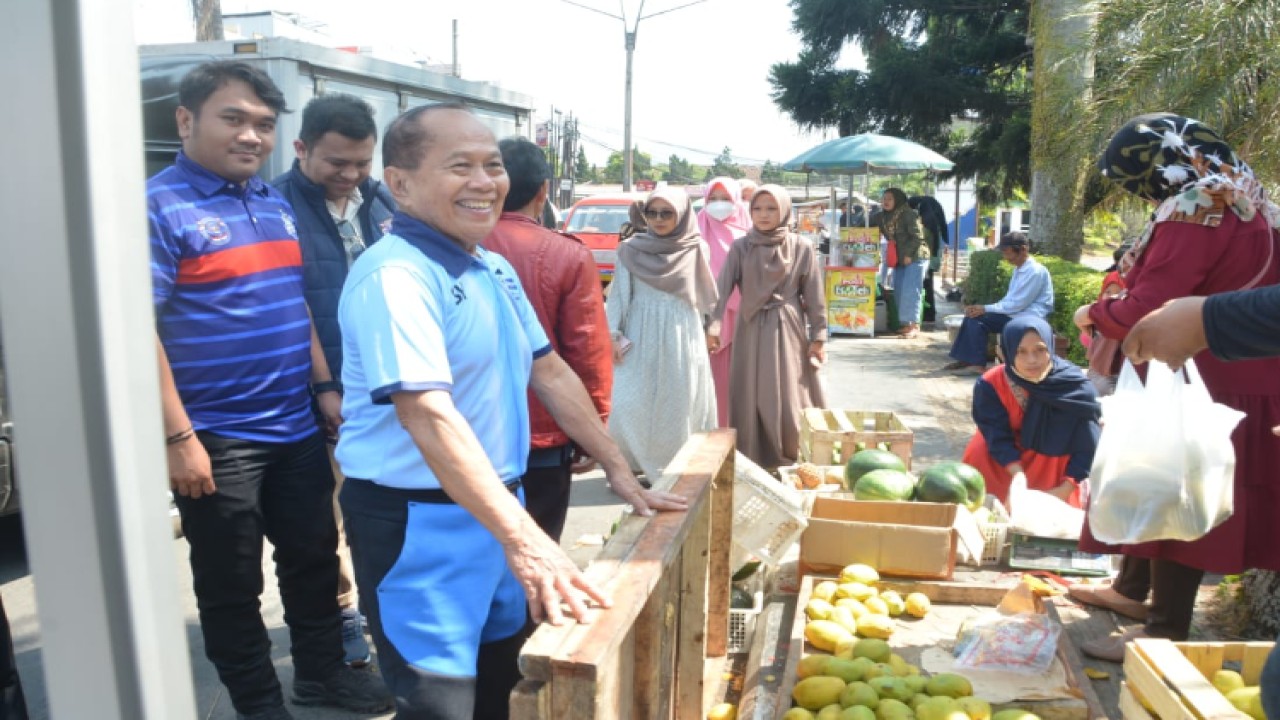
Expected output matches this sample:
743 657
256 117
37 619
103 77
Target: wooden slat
1159 672
632 659
719 572
1130 706
654 651
950 592
531 699
691 652
795 647
1251 656
842 424
1207 657
1071 659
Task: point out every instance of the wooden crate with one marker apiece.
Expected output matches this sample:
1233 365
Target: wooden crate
660 650
1174 678
830 437
944 594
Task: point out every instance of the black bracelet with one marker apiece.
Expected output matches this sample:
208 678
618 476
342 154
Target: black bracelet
178 437
326 386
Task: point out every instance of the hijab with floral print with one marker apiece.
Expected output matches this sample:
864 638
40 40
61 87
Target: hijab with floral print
1187 168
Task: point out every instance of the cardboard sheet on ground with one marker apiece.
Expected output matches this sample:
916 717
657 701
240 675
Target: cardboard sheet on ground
1003 687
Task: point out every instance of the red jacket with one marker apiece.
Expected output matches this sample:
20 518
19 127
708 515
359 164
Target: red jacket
563 284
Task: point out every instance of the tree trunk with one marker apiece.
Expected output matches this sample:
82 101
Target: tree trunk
1059 167
208 17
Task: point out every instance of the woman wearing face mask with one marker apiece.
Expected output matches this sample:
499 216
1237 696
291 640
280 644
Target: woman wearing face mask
1213 232
781 331
724 219
663 286
901 225
1037 414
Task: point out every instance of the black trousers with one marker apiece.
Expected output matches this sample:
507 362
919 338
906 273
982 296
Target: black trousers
1172 586
547 485
283 492
13 706
930 303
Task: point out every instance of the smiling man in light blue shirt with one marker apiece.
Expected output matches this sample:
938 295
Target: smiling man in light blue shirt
1030 294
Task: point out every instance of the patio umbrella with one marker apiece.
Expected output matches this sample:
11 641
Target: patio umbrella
868 154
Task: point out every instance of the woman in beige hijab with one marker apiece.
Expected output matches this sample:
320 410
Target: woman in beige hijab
662 289
781 333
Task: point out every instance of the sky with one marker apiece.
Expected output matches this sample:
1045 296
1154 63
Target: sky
700 73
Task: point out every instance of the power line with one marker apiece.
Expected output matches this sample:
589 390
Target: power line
710 153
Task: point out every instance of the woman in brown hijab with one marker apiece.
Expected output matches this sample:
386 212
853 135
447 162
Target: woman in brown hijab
781 331
662 289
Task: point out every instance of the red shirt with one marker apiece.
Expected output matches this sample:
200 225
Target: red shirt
563 285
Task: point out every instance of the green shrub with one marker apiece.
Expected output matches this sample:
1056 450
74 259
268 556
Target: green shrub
1073 285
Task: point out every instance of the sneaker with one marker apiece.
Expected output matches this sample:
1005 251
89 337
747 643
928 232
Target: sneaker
275 713
356 690
354 645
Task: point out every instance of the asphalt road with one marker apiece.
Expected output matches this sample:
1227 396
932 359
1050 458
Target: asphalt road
869 374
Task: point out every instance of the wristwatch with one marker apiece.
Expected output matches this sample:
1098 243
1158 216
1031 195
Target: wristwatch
326 386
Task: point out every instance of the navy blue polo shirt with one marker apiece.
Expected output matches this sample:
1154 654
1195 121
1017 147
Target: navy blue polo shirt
419 313
226 272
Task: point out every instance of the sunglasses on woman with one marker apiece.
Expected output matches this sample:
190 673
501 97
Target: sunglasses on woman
659 214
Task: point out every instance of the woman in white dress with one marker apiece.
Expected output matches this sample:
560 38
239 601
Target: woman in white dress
662 291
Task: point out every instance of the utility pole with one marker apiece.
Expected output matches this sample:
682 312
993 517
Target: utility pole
629 42
457 72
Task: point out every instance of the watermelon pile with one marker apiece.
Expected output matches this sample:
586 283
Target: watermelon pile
879 475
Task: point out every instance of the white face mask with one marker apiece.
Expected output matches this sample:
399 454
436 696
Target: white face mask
720 209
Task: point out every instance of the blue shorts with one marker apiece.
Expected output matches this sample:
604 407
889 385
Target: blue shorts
440 586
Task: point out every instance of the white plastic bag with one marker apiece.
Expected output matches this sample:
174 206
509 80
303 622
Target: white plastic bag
1165 466
1025 643
1033 512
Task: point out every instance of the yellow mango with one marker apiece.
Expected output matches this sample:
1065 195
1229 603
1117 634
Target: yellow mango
845 618
858 572
825 635
811 665
875 626
857 712
855 590
797 714
855 606
830 712
894 602
949 684
975 708
1015 714
860 693
877 606
847 670
825 590
874 649
818 610
1227 680
893 710
723 711
918 605
817 692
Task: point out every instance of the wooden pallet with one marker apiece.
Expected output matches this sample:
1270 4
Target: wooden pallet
957 595
659 651
1174 678
830 437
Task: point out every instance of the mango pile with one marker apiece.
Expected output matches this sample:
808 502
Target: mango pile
858 676
1246 698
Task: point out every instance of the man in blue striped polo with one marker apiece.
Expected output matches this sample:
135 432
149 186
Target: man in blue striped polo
237 350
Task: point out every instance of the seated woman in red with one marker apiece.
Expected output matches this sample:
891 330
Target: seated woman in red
1036 414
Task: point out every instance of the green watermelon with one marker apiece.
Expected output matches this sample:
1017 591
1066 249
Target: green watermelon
866 461
884 484
952 482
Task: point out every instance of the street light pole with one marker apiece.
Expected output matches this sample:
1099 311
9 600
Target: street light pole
627 165
629 38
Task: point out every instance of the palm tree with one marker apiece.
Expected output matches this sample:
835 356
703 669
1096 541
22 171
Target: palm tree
208 18
1213 60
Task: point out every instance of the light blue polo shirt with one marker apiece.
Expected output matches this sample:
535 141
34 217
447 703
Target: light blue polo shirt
419 313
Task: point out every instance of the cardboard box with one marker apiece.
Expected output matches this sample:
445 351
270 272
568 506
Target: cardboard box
906 539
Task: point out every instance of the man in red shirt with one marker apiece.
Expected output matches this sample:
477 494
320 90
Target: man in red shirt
563 285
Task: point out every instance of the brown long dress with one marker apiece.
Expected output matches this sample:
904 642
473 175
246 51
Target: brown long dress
771 380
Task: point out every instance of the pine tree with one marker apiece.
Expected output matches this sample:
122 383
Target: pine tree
582 170
724 166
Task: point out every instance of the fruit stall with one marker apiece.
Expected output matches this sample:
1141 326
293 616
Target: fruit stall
852 586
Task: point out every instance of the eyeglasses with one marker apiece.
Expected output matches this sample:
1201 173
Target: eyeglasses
659 214
351 241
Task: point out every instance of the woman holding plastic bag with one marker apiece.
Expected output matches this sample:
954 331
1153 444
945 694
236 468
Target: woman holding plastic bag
1211 233
1036 414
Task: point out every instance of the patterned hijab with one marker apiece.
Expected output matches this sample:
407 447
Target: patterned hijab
676 263
1187 168
769 254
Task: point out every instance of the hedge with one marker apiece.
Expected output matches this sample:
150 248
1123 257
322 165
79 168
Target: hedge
1073 285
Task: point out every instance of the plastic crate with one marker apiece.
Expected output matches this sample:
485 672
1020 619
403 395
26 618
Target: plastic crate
742 621
995 534
768 517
